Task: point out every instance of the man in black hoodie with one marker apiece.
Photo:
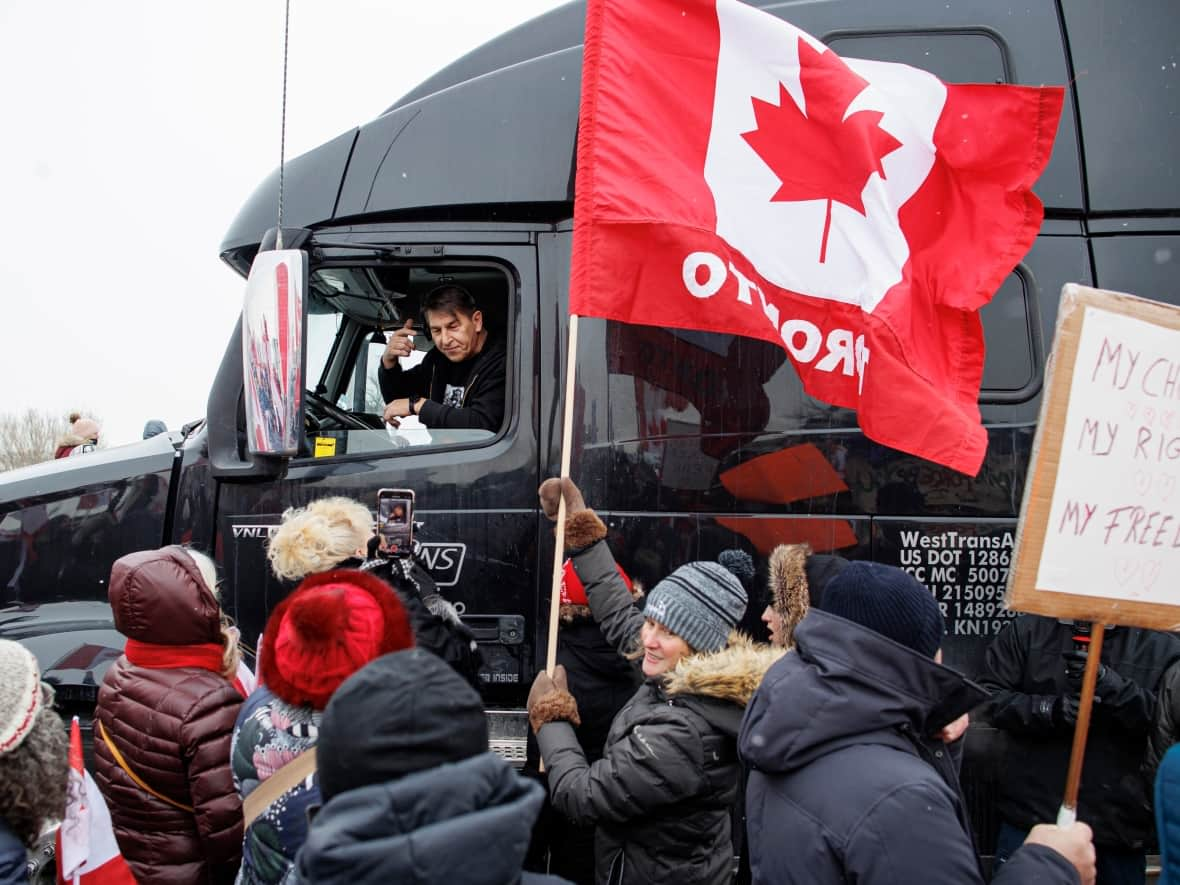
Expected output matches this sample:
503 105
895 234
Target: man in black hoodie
460 383
412 794
850 780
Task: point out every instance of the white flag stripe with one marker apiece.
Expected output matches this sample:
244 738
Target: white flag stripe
865 254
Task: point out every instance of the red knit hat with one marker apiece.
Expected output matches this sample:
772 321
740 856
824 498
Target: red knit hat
328 628
572 591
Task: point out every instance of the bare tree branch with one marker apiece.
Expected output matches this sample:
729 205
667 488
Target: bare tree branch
29 437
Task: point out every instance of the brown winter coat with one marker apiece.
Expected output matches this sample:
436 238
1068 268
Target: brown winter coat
173 728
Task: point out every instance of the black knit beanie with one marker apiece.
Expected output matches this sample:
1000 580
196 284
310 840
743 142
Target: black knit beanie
889 601
402 713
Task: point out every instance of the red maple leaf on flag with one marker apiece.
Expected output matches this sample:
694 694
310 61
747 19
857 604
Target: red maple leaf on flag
821 155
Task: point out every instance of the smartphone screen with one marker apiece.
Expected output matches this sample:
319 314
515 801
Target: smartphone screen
395 519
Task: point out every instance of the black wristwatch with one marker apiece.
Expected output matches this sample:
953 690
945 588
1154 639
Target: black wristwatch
414 403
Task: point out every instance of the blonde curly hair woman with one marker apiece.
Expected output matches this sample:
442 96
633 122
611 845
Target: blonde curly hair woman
319 537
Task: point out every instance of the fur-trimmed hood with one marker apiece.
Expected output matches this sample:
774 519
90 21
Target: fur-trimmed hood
732 674
796 580
788 586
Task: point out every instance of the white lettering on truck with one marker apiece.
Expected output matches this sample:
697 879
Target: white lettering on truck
705 274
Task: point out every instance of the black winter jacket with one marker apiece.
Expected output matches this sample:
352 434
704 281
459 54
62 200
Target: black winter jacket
1165 729
466 822
483 400
1025 673
844 787
600 678
663 792
437 626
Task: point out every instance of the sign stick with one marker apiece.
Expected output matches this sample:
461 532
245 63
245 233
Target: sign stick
567 432
1068 814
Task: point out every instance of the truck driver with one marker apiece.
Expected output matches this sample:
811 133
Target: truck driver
461 381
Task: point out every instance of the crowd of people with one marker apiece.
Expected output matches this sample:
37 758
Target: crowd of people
665 746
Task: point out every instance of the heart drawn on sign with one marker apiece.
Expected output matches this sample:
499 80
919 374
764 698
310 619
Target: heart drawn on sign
1151 573
1167 419
1142 482
1166 486
1125 568
1149 416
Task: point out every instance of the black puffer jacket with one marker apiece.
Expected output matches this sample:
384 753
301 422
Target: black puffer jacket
464 822
600 678
663 792
845 787
1025 673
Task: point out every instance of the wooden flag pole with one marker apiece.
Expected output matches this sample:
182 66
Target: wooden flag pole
1068 814
567 432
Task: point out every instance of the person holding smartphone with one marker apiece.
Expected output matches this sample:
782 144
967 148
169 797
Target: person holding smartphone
461 381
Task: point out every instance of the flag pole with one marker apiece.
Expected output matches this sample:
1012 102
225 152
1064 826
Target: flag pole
1068 813
567 432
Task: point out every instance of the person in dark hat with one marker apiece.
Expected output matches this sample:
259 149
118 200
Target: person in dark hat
411 792
328 628
662 794
850 778
796 582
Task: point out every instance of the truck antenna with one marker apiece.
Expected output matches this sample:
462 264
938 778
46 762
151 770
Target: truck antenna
283 125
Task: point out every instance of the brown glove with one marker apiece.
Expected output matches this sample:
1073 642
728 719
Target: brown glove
551 701
551 491
582 525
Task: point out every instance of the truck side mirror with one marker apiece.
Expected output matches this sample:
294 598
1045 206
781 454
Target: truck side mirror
273 322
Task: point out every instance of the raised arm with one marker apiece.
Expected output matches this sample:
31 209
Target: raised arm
610 602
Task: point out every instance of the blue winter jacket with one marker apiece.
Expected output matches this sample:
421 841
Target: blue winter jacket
466 822
844 784
1167 816
13 858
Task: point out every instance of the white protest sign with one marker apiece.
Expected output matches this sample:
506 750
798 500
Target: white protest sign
1099 537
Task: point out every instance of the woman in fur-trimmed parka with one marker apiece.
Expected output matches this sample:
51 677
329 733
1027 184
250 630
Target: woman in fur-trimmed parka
663 793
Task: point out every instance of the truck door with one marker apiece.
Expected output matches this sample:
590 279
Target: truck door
475 489
1128 96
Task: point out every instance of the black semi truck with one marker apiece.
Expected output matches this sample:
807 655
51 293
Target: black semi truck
687 443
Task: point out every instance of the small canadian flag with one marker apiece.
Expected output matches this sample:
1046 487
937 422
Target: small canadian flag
87 853
736 175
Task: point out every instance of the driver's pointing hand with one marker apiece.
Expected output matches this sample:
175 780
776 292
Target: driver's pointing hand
401 343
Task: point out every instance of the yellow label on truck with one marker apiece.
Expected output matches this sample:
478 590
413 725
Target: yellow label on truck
325 446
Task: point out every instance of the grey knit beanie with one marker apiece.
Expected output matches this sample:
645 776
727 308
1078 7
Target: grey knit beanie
20 694
700 602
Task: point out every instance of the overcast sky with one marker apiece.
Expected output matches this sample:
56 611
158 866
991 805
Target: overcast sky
132 134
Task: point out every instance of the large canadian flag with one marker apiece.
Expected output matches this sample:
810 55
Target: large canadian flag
735 175
87 853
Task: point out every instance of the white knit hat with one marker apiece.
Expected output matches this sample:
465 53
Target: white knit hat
20 694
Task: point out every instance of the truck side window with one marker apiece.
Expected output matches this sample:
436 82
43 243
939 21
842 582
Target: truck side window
953 56
353 312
